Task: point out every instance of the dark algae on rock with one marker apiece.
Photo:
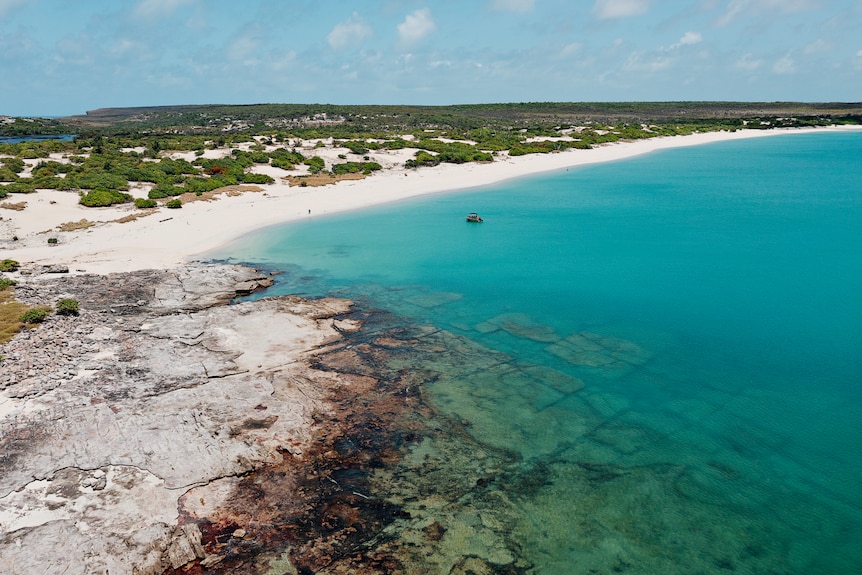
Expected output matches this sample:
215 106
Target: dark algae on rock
378 492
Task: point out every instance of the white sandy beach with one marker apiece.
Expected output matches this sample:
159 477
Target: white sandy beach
170 237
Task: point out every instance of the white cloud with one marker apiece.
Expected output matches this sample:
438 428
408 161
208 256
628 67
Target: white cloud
690 38
606 9
244 49
747 62
283 62
784 65
513 5
156 8
349 73
416 26
130 48
858 62
351 32
405 59
570 49
748 8
638 63
76 50
817 46
7 6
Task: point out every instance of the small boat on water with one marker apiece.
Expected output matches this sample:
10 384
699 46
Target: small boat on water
474 217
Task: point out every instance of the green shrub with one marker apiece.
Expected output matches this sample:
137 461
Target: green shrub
52 240
315 164
423 158
98 180
34 315
260 157
6 282
253 178
101 197
164 191
174 204
355 167
9 265
195 185
285 159
145 203
49 183
19 187
358 148
13 164
67 306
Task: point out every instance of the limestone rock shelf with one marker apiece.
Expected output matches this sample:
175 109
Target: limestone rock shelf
157 387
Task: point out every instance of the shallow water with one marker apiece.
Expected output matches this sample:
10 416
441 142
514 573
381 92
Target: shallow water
681 333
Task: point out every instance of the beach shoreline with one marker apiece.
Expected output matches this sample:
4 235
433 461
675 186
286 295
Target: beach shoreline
168 238
162 429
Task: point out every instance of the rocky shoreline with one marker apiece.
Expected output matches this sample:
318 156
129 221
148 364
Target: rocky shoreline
165 431
157 387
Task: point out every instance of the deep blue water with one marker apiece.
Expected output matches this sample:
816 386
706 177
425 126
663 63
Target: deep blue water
708 298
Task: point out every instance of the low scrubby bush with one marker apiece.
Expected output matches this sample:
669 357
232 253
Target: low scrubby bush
423 158
101 197
355 167
315 164
13 164
67 306
175 203
164 191
20 187
98 180
9 265
252 178
145 203
34 315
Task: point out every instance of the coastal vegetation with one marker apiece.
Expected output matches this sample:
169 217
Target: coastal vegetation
145 203
14 315
8 265
67 306
117 148
10 315
34 315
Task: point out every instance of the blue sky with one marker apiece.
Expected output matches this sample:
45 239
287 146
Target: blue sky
60 57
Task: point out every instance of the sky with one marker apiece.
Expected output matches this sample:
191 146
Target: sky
63 57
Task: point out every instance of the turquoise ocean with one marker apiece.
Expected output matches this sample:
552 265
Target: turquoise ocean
692 325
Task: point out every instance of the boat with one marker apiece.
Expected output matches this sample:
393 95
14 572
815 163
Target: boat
474 217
